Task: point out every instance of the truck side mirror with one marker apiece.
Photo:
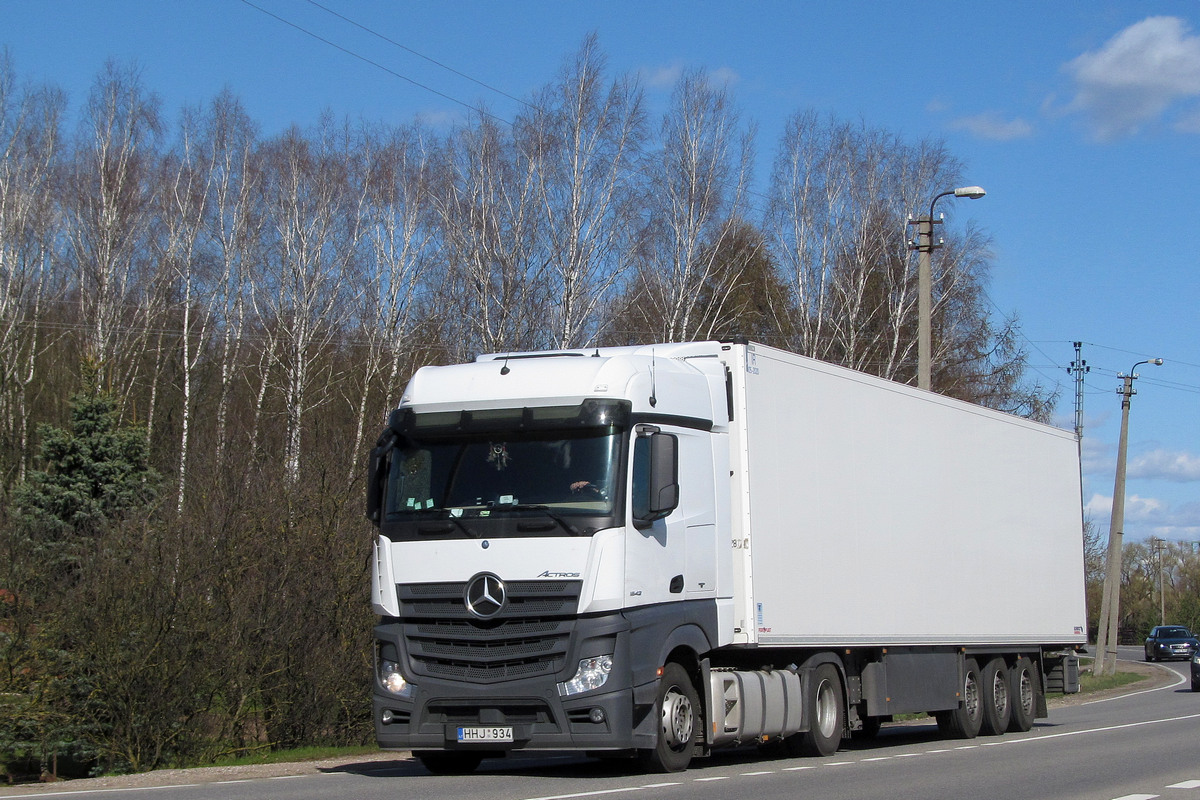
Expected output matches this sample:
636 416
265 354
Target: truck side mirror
375 475
655 476
374 484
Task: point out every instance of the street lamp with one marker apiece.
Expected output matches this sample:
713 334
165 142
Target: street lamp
1110 604
925 245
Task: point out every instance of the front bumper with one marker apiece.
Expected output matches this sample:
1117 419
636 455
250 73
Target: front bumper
539 720
1167 651
429 718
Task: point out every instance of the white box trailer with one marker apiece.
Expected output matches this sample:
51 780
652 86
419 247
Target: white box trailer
670 548
873 513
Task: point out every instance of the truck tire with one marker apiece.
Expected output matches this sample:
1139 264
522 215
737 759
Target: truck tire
826 713
1023 693
450 763
997 700
677 709
963 722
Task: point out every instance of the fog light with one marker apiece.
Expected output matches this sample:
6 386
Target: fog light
592 674
596 715
386 717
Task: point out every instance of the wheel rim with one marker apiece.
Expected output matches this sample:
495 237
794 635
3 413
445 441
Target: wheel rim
1025 687
827 711
1000 693
971 696
678 719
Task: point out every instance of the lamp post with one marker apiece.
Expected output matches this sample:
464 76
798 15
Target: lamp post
1160 545
1110 604
925 245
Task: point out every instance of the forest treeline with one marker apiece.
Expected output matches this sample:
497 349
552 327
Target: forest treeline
202 329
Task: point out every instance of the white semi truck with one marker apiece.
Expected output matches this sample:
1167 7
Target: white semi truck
661 550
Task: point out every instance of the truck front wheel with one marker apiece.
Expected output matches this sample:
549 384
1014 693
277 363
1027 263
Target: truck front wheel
677 709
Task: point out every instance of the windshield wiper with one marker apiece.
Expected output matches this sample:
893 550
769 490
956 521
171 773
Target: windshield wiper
568 527
441 527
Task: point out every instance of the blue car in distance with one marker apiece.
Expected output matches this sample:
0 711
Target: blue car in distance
1171 641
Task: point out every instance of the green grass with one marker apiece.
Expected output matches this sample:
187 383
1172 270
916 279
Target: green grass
299 754
1091 683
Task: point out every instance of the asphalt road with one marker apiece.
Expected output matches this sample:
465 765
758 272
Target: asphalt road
1133 747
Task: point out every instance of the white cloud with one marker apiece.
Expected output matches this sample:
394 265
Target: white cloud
662 77
991 125
1166 465
439 119
1137 75
724 76
1099 457
1137 508
1188 123
665 77
1147 516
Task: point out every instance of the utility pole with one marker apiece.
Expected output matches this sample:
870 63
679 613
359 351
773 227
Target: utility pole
1079 368
1158 546
1110 606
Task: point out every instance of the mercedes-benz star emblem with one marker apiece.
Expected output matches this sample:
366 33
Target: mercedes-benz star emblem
486 595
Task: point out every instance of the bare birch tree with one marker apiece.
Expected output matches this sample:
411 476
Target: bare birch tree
394 169
587 135
29 151
184 200
234 234
490 217
699 182
109 209
307 290
839 198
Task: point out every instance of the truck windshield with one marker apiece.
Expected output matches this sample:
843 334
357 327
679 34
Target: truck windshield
553 475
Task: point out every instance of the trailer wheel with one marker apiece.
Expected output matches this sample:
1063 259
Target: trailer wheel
963 722
826 713
450 763
678 711
997 700
1023 692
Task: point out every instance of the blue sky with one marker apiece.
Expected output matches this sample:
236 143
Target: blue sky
1081 119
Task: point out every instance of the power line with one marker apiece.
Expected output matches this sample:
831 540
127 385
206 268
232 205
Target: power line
407 49
375 64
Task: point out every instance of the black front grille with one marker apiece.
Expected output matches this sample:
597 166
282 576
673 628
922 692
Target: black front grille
510 714
529 637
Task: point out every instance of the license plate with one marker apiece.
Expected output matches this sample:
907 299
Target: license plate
495 734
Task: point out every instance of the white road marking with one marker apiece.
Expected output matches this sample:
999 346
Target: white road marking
1185 785
1107 729
601 792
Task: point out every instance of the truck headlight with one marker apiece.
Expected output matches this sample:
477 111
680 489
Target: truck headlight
592 674
393 680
